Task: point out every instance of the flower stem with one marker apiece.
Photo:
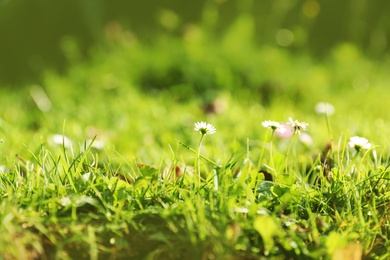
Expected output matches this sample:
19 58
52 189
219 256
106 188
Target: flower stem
262 153
289 148
330 134
270 152
198 158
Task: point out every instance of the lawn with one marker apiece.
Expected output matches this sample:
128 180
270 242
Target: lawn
105 161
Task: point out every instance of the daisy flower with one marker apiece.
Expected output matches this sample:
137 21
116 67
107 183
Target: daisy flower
324 108
59 139
297 126
97 144
273 126
204 128
359 143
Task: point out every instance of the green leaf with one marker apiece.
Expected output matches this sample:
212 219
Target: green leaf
268 230
335 241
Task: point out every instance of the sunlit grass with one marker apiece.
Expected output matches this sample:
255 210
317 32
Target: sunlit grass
104 162
71 205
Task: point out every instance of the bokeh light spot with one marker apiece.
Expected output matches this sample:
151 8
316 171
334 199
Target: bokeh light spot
169 19
311 8
284 37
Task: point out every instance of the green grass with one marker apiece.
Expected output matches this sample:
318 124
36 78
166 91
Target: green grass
140 197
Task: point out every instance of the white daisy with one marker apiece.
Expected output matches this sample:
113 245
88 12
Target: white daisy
273 126
204 128
97 144
297 126
324 108
359 143
58 139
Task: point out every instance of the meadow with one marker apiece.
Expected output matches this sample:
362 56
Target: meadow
105 161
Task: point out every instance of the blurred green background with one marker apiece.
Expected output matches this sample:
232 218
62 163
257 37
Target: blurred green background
34 35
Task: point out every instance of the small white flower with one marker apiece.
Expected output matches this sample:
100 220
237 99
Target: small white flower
58 139
241 210
204 128
97 144
324 108
306 139
274 126
65 201
297 126
3 169
359 143
86 176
